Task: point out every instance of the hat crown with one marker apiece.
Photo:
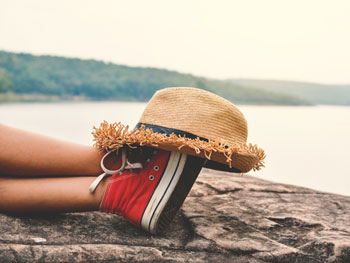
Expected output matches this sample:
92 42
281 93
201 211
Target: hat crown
198 112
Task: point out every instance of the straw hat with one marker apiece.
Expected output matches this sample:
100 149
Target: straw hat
190 121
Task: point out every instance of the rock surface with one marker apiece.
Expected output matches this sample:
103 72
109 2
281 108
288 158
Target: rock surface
226 218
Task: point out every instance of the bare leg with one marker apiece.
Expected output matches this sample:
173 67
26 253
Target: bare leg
54 194
24 153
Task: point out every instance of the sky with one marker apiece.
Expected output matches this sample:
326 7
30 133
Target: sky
302 40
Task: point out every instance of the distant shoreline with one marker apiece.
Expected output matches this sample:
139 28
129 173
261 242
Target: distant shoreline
28 78
10 97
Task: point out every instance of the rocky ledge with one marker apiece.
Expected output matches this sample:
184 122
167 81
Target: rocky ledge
225 219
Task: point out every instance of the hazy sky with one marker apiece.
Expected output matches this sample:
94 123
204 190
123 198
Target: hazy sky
271 39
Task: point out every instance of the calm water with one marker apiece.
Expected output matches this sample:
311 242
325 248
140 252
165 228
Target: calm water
306 146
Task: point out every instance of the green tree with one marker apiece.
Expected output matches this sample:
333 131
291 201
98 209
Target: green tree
67 77
6 83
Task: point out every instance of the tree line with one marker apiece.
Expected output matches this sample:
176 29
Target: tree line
69 77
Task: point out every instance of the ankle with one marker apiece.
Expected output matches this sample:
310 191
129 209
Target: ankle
99 192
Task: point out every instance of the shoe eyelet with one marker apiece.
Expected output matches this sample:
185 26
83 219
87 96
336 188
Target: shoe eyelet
151 177
156 168
148 160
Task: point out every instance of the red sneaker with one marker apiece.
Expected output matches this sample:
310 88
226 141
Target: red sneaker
151 196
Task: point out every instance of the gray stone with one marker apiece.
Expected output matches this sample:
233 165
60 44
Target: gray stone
226 218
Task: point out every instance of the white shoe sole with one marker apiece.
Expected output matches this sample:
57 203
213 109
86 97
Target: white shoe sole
163 191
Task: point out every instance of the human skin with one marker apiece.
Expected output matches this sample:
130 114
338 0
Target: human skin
25 153
54 194
42 174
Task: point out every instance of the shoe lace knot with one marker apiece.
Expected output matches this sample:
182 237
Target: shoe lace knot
126 165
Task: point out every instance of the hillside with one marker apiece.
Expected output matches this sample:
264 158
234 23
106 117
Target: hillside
313 92
27 77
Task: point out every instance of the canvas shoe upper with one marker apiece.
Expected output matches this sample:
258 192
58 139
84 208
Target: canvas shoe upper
149 197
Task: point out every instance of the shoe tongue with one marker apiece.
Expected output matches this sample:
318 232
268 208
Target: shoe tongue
136 158
139 154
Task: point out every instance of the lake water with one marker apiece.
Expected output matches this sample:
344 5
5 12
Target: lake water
305 146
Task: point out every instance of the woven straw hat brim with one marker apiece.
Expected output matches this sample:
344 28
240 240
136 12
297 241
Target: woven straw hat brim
240 156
